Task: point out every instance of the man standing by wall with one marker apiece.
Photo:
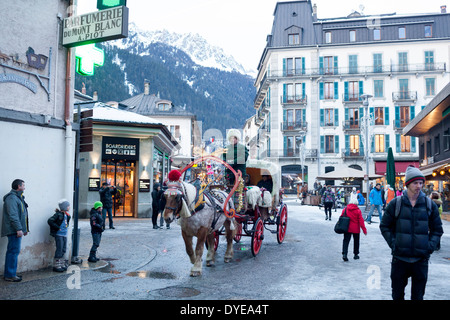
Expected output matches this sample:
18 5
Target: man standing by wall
412 230
106 193
14 226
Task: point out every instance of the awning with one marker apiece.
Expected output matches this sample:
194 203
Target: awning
400 166
436 167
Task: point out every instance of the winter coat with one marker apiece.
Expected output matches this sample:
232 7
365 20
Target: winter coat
353 196
55 221
15 214
375 197
356 219
328 196
389 195
96 221
361 199
415 233
156 197
106 196
236 156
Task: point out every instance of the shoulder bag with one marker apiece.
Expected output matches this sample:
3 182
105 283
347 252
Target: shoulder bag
342 223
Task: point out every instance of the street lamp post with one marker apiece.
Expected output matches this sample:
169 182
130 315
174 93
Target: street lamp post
302 154
366 118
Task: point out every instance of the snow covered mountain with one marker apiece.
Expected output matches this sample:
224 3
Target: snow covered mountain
194 45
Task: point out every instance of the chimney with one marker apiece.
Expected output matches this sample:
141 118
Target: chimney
95 96
146 87
83 90
443 9
314 13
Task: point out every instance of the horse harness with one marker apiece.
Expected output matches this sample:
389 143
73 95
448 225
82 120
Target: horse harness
200 202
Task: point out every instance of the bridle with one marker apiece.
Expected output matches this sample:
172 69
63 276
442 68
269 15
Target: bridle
178 197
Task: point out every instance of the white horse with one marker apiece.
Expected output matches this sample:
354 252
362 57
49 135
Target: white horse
180 203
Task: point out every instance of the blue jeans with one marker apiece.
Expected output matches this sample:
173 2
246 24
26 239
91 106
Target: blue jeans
372 208
109 210
12 255
61 245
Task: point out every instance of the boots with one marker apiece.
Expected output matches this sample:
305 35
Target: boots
344 257
58 265
92 257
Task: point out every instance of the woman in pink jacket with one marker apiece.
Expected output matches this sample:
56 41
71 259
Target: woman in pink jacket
356 224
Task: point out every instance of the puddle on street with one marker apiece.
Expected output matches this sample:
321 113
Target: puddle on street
178 292
152 274
108 269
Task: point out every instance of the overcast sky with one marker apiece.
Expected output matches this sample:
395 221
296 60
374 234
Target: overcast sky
240 27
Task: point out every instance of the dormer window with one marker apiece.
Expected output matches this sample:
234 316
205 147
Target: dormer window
294 39
164 106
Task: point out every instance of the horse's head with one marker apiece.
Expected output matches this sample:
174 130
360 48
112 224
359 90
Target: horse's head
172 209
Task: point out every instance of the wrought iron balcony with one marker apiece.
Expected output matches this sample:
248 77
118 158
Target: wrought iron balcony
404 96
351 125
293 99
352 154
294 126
399 124
351 98
310 154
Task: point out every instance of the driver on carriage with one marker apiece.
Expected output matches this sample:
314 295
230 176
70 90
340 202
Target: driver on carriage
236 155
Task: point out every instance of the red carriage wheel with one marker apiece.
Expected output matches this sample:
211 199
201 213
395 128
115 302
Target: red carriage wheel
282 224
257 236
238 235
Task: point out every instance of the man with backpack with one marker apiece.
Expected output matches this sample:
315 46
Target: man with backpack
412 228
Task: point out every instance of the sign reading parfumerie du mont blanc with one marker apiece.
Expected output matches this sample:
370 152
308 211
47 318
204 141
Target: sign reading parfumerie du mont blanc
96 27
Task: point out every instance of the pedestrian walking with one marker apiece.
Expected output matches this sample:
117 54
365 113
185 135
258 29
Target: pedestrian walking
361 199
353 196
59 223
376 201
389 194
156 199
14 226
356 224
328 200
96 222
106 193
437 199
412 229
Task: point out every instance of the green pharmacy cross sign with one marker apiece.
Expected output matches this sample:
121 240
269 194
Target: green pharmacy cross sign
87 57
106 4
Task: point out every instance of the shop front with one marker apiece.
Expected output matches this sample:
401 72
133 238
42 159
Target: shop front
130 154
119 158
400 169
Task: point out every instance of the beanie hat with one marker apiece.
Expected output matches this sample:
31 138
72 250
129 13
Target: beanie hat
63 204
174 175
97 205
413 174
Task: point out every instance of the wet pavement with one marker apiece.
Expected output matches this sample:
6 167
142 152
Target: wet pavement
141 263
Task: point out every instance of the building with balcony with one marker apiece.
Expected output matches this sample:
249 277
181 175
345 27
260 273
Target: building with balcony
312 74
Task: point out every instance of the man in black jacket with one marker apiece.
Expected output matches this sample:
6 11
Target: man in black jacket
106 193
412 231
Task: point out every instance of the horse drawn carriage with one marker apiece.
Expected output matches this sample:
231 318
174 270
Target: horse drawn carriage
209 208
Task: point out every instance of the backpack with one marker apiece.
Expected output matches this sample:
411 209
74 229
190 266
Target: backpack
328 196
398 205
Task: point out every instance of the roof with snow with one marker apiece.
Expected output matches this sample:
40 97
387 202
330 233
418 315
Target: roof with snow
148 104
104 112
